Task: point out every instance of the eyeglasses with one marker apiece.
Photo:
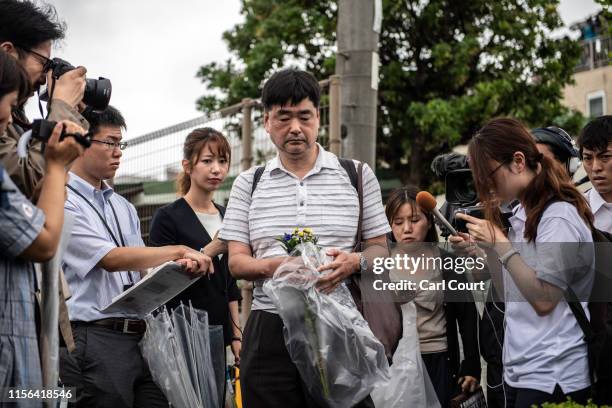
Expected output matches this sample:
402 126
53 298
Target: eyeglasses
47 63
112 145
495 169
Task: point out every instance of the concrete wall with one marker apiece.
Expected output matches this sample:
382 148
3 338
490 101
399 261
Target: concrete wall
589 82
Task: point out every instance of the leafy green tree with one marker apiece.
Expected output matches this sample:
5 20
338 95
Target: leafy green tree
446 67
274 33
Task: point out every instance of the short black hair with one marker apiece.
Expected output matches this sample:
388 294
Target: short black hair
597 134
27 24
290 86
108 117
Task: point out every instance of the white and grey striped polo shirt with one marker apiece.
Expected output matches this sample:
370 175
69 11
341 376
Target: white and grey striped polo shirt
324 200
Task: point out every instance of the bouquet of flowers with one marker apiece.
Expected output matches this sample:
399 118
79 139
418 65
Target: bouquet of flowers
337 355
291 241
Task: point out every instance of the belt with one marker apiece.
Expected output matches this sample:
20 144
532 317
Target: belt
129 326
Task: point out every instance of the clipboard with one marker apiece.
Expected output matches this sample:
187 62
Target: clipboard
154 290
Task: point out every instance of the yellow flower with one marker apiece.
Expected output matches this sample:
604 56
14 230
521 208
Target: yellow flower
308 230
301 233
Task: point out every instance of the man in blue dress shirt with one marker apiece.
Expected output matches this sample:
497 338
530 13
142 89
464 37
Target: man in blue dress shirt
106 255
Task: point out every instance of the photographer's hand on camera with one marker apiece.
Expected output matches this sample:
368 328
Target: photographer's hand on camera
61 153
69 87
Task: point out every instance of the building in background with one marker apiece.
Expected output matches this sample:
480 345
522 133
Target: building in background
591 94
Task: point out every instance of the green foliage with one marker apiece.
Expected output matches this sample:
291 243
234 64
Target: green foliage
274 33
570 404
446 68
606 6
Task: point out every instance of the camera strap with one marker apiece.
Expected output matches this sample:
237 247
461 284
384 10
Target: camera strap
50 91
108 228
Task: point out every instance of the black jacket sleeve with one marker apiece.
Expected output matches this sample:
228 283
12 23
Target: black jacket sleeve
462 315
467 320
163 229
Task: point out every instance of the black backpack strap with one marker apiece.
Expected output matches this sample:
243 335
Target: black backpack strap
601 236
584 323
349 167
258 172
356 177
578 311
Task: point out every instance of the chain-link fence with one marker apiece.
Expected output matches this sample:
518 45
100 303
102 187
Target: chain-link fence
152 162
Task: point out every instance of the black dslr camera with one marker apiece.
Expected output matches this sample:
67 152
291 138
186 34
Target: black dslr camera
42 130
97 91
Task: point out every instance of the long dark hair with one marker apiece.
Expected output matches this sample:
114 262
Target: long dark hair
13 77
194 143
498 140
407 195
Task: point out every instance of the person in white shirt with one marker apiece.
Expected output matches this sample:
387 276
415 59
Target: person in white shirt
303 186
595 143
543 255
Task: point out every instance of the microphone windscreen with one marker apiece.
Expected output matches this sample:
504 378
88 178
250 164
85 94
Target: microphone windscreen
426 201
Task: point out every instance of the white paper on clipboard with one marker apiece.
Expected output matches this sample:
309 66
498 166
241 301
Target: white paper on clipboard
155 289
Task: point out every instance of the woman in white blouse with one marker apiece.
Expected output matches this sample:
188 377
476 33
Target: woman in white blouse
542 256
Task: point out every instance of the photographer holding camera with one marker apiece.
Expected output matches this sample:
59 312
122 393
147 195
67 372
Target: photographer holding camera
27 32
29 234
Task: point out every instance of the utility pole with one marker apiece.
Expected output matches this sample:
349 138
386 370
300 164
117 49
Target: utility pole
357 64
246 161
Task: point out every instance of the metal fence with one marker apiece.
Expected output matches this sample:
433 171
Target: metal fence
152 162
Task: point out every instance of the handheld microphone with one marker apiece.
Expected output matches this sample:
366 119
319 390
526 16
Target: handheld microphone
428 202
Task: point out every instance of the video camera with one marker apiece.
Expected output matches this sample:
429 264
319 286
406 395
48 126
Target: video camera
97 91
42 130
460 191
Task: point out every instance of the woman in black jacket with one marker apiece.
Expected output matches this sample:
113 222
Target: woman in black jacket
439 313
194 220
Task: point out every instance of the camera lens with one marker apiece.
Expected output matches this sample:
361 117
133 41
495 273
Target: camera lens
97 93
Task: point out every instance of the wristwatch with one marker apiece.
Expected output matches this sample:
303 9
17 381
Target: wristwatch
363 263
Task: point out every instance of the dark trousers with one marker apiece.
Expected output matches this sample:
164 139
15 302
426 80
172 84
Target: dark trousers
495 386
525 397
602 391
438 368
108 370
269 379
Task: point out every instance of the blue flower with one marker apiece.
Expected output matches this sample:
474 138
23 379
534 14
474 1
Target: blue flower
287 237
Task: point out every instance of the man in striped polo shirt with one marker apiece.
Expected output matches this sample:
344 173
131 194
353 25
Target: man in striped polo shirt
303 186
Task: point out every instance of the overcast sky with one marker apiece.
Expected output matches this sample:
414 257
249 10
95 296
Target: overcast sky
152 49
